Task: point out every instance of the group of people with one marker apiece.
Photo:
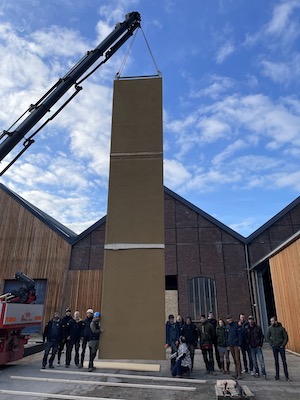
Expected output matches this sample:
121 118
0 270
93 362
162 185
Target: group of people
71 332
221 338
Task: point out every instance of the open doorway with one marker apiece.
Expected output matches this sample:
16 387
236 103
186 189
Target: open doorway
266 300
269 294
171 296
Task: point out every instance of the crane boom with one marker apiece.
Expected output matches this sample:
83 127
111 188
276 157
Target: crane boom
107 47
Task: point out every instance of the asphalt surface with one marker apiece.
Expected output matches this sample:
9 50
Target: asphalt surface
80 384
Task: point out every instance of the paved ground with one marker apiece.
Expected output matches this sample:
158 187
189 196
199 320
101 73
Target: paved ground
17 377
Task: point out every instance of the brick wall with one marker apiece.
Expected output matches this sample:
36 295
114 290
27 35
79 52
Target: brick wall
196 247
275 234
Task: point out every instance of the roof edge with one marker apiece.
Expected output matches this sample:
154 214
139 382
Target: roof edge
278 249
86 232
52 223
272 220
205 215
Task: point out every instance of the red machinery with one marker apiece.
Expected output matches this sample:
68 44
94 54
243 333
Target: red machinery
17 312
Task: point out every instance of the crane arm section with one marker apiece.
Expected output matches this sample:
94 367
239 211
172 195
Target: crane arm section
107 47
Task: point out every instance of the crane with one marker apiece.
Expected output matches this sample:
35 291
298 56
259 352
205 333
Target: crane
16 133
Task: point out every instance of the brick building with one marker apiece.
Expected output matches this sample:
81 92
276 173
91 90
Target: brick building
208 265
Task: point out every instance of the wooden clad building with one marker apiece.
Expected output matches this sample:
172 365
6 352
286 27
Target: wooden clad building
283 267
34 243
29 245
285 272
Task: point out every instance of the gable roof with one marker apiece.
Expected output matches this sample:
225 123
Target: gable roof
181 200
73 238
278 249
89 230
273 220
205 215
56 226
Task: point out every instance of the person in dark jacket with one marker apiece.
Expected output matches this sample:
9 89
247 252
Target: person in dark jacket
65 336
221 341
278 338
255 340
189 332
207 334
211 319
234 342
86 333
172 337
52 336
179 321
245 349
75 330
96 330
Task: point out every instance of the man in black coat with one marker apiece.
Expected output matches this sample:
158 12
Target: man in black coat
52 336
86 334
65 334
255 340
75 331
189 331
211 319
207 335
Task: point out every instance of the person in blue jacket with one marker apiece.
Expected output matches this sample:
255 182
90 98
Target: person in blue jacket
234 342
172 337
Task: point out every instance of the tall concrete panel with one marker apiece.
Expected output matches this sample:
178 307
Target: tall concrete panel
133 299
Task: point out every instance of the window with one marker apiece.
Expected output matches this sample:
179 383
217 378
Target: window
202 297
171 282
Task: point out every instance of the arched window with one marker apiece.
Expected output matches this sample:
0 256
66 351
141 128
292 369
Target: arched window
202 297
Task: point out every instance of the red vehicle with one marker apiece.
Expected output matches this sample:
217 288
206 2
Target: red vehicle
17 312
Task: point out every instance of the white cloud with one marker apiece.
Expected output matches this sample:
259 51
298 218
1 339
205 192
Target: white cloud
57 41
211 129
217 85
249 124
282 29
175 174
65 210
54 171
287 180
229 151
84 124
224 52
244 225
277 71
282 72
212 179
258 115
281 17
180 126
244 122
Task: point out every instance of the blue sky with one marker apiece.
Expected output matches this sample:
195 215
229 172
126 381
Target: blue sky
230 95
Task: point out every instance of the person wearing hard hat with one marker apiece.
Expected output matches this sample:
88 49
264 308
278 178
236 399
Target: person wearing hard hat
86 333
96 330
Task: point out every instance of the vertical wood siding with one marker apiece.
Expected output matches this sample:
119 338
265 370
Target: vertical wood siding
85 290
30 246
285 272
